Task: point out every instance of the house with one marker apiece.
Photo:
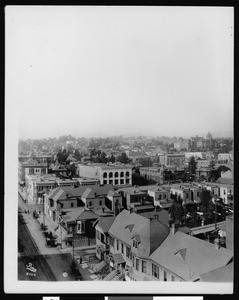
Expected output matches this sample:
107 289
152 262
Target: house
115 174
62 199
133 238
159 196
114 201
133 196
81 222
94 196
189 193
182 257
102 226
226 192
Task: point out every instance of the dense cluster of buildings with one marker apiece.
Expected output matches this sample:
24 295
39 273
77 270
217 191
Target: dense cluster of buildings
131 225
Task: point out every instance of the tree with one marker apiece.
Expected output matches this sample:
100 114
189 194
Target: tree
123 158
192 166
112 158
215 174
206 204
177 211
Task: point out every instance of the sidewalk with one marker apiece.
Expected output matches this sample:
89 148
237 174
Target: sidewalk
34 225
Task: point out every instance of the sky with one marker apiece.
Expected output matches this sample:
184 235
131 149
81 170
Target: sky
103 71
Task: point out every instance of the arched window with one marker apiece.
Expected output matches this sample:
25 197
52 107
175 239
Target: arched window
121 174
105 175
127 174
110 174
116 174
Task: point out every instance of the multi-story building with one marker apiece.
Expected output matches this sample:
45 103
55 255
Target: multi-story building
133 196
187 192
31 167
196 155
119 175
172 160
36 185
133 238
182 257
102 226
225 157
182 143
145 249
152 173
159 196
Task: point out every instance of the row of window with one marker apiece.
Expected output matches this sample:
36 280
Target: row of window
90 203
139 265
116 181
33 171
116 174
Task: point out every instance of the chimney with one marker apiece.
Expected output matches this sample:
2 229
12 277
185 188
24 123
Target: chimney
217 243
172 229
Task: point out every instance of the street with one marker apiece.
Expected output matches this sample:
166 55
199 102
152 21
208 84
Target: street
32 265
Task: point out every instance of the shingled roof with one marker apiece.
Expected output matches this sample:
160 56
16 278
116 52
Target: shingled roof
150 232
188 257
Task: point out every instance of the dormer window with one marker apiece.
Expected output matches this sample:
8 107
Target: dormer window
136 241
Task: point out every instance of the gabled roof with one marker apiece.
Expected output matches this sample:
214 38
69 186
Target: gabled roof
189 257
223 274
162 216
151 232
96 191
79 213
71 191
105 223
87 215
113 193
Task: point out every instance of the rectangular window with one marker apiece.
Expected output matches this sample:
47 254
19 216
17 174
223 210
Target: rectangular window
97 234
90 203
102 238
137 264
128 252
133 260
122 248
72 204
164 276
155 271
100 202
105 182
111 241
143 266
117 245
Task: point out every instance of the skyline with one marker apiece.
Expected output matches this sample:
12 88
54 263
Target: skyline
109 71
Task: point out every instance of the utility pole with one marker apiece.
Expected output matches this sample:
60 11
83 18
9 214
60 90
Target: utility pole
44 209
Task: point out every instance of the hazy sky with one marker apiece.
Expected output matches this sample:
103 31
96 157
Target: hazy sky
97 71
